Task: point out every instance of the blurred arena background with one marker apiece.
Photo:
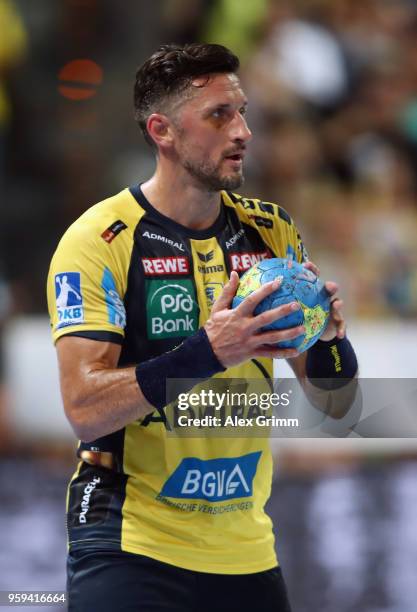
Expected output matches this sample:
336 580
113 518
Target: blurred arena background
332 86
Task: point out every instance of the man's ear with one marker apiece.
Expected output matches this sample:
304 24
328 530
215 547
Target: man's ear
160 130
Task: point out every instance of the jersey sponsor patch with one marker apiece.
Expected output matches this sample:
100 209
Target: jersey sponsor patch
165 239
213 479
243 261
85 503
212 292
210 262
94 496
115 307
154 266
234 238
211 269
171 309
111 232
69 301
205 257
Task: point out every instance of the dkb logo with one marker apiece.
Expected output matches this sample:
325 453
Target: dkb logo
69 301
172 310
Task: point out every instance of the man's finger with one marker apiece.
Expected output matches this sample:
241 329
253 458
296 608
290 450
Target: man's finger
229 290
250 303
341 329
269 316
279 335
336 311
331 287
312 266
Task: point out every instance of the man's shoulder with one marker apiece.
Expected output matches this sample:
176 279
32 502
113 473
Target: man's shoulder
254 209
106 219
121 205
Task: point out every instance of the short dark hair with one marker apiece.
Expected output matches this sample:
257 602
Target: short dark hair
170 71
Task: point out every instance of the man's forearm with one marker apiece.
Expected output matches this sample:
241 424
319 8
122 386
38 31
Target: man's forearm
108 400
100 399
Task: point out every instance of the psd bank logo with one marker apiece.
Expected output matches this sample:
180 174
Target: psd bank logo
69 302
171 307
213 479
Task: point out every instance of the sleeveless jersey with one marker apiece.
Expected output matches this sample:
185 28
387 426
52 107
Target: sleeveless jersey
125 273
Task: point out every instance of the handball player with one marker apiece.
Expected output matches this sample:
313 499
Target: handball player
140 291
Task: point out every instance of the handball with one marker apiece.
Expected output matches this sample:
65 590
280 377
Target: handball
298 285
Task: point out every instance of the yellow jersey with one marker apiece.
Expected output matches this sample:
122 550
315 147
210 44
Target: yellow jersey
125 273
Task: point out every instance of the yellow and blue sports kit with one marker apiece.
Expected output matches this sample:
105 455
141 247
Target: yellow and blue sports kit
125 273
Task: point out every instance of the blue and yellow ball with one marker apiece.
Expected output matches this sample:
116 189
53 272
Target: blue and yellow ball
298 285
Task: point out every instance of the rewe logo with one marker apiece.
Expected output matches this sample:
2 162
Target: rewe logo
154 266
243 261
171 309
213 479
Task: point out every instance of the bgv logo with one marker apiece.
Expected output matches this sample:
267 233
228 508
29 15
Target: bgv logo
213 479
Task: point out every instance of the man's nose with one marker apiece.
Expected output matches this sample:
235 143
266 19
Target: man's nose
240 130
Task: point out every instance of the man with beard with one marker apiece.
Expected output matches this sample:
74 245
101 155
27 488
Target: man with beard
158 522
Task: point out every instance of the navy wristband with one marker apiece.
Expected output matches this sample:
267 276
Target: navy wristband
331 364
193 359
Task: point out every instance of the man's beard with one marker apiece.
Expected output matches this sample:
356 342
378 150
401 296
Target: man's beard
209 176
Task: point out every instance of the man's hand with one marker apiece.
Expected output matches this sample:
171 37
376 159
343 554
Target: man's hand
334 403
235 334
336 326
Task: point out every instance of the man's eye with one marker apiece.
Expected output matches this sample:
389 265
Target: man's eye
243 110
218 113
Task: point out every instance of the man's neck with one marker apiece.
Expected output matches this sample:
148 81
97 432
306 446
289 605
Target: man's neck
176 197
